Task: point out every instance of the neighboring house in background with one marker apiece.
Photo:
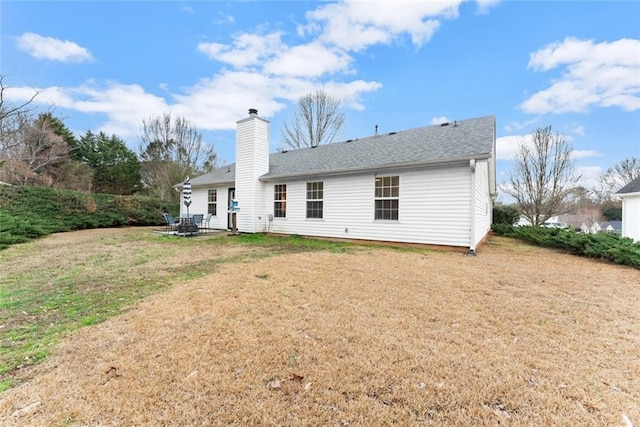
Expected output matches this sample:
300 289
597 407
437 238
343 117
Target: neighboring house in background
575 221
431 185
630 195
552 222
590 227
612 227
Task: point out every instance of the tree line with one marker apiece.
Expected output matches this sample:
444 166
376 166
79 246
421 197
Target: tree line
39 149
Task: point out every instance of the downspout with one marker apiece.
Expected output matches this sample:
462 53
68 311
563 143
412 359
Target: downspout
472 209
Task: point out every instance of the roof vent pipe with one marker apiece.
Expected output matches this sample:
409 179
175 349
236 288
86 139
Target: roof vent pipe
253 112
376 132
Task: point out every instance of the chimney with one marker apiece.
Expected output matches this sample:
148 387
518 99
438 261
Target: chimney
252 161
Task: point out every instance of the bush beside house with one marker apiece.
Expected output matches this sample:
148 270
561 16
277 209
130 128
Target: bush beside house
607 246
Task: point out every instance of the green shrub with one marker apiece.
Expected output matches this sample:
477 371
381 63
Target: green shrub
505 214
30 212
606 246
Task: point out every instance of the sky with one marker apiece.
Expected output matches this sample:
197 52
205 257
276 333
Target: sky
107 66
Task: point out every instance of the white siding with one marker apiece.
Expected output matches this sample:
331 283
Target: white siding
631 216
252 161
200 205
482 201
434 207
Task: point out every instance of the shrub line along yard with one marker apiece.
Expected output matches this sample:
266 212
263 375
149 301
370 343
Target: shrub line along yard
292 331
30 212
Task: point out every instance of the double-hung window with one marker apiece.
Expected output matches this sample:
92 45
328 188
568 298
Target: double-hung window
315 192
387 195
212 202
280 201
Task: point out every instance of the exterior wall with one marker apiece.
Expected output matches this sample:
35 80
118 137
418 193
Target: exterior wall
252 161
434 207
631 216
483 205
200 205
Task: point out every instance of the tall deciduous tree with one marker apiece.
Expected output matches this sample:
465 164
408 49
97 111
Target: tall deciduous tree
13 120
171 150
317 120
543 174
33 153
617 176
116 169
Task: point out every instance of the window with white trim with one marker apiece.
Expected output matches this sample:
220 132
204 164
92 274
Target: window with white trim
315 192
280 201
212 202
387 196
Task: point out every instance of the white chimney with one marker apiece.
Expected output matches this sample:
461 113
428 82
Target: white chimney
252 161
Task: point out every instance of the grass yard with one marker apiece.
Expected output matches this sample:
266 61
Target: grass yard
298 332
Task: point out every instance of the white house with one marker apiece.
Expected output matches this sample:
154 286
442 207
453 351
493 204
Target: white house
590 227
431 185
630 195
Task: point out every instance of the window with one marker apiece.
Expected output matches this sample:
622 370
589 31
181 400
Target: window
314 199
280 201
386 197
212 202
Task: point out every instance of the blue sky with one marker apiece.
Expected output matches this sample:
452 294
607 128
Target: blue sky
396 64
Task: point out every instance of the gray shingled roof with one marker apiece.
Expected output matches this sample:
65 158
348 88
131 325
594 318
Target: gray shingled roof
464 140
632 187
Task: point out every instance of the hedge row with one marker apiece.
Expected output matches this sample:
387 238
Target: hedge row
30 212
607 246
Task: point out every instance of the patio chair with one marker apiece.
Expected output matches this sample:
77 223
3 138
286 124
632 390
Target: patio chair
197 219
172 225
207 221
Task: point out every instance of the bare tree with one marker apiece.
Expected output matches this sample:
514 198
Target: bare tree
171 150
616 177
543 174
37 155
7 111
317 120
12 120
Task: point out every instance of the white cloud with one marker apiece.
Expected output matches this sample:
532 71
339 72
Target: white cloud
578 129
589 175
41 47
351 93
246 49
212 103
581 154
125 105
485 5
515 125
309 60
439 120
507 147
224 19
355 25
596 75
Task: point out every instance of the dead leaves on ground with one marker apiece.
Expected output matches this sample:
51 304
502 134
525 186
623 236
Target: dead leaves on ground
278 383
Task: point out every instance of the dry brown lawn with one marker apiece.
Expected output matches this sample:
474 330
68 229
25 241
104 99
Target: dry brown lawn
518 335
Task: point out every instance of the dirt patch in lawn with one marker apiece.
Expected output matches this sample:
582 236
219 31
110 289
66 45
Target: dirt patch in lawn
518 335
